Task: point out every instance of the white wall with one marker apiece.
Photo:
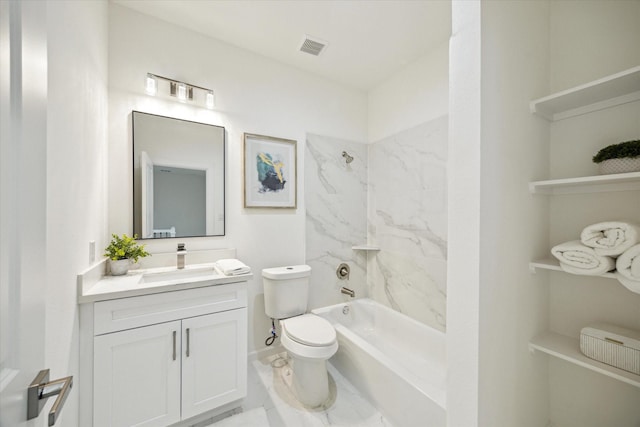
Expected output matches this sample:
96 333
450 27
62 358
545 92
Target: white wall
76 172
463 262
514 224
589 41
499 61
592 40
254 95
416 94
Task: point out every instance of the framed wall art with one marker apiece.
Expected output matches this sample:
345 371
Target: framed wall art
269 172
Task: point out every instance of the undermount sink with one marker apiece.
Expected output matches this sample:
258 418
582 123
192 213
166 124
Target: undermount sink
182 274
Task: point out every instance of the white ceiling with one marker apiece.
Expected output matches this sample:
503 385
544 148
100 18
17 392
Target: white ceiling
369 40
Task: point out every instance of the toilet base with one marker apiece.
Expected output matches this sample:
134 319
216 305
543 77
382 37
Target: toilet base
310 381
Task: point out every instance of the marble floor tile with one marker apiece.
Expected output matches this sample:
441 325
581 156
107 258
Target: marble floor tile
268 381
253 418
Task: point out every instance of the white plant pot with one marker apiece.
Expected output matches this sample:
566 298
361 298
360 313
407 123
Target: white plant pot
119 267
622 165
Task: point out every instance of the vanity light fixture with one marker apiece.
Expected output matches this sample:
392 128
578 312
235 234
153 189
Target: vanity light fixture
209 99
182 91
152 85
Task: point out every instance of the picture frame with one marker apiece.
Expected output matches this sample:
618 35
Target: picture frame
270 172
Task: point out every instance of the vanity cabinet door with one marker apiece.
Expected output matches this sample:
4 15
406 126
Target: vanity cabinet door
214 360
137 377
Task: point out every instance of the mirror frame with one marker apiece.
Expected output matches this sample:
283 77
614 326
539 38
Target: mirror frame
136 191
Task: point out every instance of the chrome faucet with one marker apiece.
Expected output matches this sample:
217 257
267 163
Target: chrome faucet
181 253
348 291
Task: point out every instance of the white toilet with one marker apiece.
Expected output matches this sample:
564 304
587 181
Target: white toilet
309 339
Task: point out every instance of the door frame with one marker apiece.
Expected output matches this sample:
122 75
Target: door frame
23 197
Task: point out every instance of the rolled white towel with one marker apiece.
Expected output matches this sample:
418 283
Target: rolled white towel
610 238
232 267
576 258
628 264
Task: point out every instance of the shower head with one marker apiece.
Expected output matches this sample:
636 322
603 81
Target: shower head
347 157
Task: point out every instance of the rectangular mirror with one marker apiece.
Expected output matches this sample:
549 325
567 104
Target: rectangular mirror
178 177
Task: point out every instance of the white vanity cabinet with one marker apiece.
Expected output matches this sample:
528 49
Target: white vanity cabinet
214 363
163 358
136 378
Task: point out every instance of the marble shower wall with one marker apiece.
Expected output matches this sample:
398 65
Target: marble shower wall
407 218
336 217
393 195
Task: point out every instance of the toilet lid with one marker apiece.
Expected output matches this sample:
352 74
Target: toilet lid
310 330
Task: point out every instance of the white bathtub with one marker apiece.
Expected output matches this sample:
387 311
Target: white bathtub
395 361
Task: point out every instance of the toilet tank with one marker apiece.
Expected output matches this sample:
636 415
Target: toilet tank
286 290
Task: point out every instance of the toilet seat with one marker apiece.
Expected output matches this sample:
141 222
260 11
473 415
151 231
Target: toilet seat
320 334
310 330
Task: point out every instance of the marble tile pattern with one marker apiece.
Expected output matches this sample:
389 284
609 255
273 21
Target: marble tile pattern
267 388
407 219
256 417
393 195
336 215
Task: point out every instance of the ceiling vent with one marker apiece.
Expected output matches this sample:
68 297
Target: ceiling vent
313 45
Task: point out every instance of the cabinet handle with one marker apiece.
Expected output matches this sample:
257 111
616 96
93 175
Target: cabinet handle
187 342
174 345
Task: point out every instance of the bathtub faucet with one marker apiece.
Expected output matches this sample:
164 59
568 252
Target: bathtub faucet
348 291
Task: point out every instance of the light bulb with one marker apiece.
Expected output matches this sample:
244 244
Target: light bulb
209 99
182 92
152 85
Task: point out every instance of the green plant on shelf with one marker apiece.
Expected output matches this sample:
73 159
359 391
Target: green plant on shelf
125 247
618 151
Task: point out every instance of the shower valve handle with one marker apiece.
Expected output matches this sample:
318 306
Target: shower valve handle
343 271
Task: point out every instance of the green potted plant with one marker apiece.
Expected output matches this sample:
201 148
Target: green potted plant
619 158
122 252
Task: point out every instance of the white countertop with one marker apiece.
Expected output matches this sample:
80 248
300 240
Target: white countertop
93 286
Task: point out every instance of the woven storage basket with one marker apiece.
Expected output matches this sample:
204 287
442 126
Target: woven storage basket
622 165
612 345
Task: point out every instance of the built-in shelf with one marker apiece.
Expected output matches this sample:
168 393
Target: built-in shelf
616 89
554 264
588 184
365 248
568 348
